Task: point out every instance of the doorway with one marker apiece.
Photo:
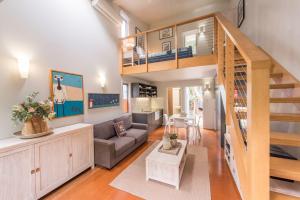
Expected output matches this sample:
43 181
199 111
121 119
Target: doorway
175 105
125 100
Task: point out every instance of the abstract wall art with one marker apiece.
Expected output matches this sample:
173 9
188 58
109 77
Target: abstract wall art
67 93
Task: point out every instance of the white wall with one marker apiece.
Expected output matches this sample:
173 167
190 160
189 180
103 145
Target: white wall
272 24
63 35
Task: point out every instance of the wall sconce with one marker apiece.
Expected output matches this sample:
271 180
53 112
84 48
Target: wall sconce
23 64
102 80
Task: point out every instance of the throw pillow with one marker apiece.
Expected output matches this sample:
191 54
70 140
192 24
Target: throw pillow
120 128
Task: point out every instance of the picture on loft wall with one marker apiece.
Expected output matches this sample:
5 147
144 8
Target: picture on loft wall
241 13
165 33
166 46
67 93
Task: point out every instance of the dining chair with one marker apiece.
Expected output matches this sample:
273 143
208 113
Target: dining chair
168 122
181 123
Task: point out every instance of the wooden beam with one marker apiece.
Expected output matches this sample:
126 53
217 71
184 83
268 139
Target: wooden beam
258 135
197 61
176 46
221 55
135 69
215 37
146 50
161 66
229 78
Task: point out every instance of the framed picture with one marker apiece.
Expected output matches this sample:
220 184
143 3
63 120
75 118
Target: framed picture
139 40
67 93
165 33
103 100
241 13
166 46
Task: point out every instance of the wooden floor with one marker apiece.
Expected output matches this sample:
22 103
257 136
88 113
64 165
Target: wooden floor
94 184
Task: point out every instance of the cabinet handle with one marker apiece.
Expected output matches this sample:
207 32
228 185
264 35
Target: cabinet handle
70 155
37 170
32 171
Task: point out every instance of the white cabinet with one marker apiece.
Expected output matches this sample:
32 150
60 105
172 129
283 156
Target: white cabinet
29 169
17 179
81 150
52 164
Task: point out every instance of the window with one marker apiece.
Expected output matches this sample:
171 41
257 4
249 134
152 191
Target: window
191 40
125 100
125 24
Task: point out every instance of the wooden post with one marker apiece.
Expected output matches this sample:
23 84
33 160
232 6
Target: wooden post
229 79
121 57
220 44
146 50
176 45
215 37
258 136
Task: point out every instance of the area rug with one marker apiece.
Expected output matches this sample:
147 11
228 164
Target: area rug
194 184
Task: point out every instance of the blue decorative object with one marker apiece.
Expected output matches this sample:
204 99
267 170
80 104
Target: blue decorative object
103 100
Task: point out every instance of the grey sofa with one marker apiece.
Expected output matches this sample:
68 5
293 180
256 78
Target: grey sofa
111 149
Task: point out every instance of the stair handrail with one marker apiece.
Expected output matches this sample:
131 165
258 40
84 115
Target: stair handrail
254 169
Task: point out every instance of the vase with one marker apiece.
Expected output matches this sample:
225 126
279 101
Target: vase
166 143
34 126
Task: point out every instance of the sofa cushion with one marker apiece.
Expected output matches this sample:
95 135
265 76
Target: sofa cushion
120 129
127 119
104 130
137 134
122 144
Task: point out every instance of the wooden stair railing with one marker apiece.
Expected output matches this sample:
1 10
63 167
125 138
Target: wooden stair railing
237 55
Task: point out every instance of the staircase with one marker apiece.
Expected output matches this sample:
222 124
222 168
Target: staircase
279 167
250 77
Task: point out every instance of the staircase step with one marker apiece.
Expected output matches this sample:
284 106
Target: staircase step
285 168
282 86
286 139
241 68
278 196
276 75
286 117
285 100
274 100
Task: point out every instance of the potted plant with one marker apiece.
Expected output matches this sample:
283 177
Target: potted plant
173 139
33 114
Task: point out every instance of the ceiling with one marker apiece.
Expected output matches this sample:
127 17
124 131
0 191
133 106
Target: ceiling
153 11
189 73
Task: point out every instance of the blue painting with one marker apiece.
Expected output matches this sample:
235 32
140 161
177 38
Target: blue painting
67 94
103 100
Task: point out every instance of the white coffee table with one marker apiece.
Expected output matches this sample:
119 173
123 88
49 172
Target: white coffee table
164 167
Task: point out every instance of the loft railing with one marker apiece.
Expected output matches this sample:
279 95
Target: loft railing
185 44
244 71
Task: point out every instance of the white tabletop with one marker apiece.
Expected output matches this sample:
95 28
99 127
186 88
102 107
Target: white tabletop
157 156
180 116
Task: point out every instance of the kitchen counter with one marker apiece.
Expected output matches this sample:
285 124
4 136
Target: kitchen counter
154 118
